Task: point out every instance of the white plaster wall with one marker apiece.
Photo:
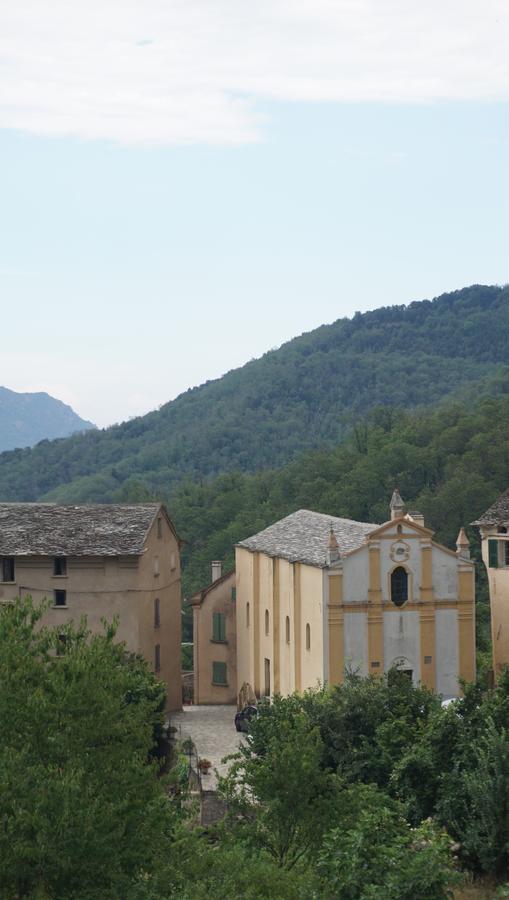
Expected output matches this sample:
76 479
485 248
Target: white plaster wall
412 564
445 575
356 577
446 652
355 630
401 639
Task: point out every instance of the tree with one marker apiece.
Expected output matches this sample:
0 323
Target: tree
83 812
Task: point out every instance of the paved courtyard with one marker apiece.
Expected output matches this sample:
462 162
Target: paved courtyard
213 733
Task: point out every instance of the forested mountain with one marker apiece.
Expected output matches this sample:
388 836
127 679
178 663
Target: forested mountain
306 394
26 419
450 463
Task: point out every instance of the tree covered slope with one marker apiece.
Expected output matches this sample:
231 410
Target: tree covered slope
450 463
306 394
26 419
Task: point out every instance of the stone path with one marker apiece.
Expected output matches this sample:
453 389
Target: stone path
213 733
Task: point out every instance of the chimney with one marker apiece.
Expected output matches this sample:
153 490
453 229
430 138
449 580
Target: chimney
216 569
416 517
397 505
333 554
463 544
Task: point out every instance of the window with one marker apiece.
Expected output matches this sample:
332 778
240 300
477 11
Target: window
60 566
157 612
267 677
159 527
288 629
60 598
247 615
156 565
308 637
234 594
266 621
8 568
399 586
219 627
219 673
506 553
157 657
173 560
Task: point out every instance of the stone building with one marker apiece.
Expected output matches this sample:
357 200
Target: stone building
100 562
494 527
317 595
214 639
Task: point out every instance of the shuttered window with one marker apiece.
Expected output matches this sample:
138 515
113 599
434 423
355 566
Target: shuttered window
493 554
218 627
219 673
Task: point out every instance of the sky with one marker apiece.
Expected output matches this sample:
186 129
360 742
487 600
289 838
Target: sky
186 184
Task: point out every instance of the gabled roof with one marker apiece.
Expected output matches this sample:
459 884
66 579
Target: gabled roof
497 514
45 529
303 537
199 596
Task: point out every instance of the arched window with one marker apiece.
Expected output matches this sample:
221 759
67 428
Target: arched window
288 629
247 615
308 637
399 529
399 586
266 621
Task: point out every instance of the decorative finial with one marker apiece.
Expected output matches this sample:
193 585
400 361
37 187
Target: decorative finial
463 544
333 554
397 505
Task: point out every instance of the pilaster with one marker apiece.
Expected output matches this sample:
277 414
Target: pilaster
375 612
335 628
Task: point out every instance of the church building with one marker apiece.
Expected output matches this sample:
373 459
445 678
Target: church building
319 595
494 527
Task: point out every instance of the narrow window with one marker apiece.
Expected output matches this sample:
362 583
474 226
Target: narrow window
288 629
308 637
247 615
219 627
156 565
234 594
60 598
159 527
219 673
506 553
173 560
399 586
157 612
8 568
266 621
157 657
267 677
59 566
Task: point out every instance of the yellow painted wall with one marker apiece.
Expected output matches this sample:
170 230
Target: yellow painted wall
498 580
244 569
117 587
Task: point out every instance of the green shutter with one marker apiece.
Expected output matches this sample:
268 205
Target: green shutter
218 627
219 673
493 554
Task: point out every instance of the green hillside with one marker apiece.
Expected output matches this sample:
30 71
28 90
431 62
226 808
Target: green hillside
450 463
305 395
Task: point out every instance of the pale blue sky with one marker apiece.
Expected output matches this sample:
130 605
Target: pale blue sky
132 270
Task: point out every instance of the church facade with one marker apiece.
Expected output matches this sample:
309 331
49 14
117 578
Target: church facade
318 596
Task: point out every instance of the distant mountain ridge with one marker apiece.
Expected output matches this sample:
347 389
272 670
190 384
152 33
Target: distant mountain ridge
306 394
26 419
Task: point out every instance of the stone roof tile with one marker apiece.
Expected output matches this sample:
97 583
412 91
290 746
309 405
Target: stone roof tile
45 529
303 537
497 514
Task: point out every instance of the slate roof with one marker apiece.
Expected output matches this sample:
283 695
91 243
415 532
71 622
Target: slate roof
497 514
303 537
46 529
